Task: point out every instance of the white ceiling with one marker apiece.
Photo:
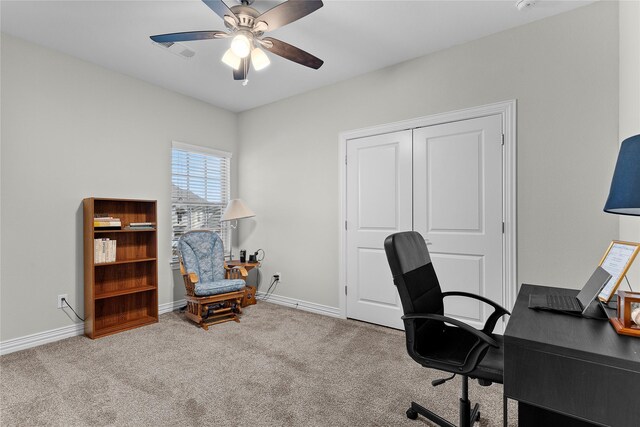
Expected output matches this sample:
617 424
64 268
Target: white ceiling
352 37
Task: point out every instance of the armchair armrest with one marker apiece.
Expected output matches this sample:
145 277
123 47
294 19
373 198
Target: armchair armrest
235 271
430 316
193 277
190 279
498 310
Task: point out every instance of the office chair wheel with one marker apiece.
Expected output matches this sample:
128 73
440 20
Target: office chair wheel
412 414
478 416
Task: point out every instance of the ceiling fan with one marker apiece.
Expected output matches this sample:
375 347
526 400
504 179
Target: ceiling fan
246 26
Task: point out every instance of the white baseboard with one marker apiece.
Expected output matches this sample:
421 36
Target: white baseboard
40 338
302 305
171 306
34 340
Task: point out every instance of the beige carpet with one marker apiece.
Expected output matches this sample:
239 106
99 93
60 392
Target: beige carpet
278 367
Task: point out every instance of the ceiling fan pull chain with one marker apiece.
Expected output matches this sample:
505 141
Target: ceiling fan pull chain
246 71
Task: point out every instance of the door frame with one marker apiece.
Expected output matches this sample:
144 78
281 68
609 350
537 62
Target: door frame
507 109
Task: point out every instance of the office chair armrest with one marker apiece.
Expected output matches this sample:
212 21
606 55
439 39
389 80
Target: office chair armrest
495 305
430 316
498 310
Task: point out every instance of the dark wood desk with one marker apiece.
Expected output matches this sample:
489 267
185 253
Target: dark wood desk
566 370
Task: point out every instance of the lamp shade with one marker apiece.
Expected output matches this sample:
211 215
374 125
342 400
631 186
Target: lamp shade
231 59
236 209
259 59
624 196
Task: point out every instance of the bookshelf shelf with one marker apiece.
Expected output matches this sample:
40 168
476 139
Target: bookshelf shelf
123 294
146 230
110 330
124 261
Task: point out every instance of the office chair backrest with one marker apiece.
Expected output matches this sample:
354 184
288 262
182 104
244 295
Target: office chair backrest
413 273
202 252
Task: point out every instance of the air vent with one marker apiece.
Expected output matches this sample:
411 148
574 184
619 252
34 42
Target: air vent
177 49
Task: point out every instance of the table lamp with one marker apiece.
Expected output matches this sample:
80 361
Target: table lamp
236 209
624 196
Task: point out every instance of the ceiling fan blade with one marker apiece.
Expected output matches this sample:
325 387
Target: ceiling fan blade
293 53
220 8
243 70
189 36
287 12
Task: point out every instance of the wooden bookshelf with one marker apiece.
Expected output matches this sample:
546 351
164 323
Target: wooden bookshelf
123 294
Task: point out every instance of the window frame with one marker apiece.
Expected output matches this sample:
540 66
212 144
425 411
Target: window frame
225 228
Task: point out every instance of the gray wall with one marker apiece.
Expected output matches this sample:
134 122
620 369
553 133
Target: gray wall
72 130
564 73
630 108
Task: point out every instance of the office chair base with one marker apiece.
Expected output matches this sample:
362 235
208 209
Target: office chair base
417 409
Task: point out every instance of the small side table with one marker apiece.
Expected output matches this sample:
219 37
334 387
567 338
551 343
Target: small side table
249 291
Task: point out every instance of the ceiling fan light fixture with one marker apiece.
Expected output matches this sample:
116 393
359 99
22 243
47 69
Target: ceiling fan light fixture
259 59
246 27
241 46
231 59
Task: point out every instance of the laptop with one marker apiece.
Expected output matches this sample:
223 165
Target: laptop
571 304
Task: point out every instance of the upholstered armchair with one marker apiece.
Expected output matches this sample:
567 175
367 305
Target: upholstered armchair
214 291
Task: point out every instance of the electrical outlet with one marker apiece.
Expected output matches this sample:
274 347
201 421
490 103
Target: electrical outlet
278 275
60 303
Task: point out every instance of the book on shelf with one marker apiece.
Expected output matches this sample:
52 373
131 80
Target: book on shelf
104 250
141 226
104 220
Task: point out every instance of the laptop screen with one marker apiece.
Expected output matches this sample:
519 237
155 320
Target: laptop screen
593 286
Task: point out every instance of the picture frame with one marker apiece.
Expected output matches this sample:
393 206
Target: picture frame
628 304
616 261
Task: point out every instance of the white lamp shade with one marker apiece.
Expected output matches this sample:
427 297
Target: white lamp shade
236 209
231 59
259 59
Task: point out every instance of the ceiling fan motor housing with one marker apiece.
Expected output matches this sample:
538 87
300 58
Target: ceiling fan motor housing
246 16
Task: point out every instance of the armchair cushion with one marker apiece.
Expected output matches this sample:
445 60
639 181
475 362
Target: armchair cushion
216 287
202 253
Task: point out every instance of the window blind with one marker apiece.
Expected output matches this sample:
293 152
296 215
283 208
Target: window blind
200 191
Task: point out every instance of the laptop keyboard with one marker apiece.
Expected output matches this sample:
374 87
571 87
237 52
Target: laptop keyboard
563 302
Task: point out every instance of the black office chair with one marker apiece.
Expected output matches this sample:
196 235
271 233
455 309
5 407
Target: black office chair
431 340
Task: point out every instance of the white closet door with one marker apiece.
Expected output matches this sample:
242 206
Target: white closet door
379 203
457 207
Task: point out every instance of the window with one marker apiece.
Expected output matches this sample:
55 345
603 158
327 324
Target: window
199 191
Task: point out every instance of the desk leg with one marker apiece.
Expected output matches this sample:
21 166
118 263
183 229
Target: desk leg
505 411
533 416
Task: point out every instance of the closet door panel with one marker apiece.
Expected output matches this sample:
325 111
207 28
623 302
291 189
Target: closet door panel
457 207
378 204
